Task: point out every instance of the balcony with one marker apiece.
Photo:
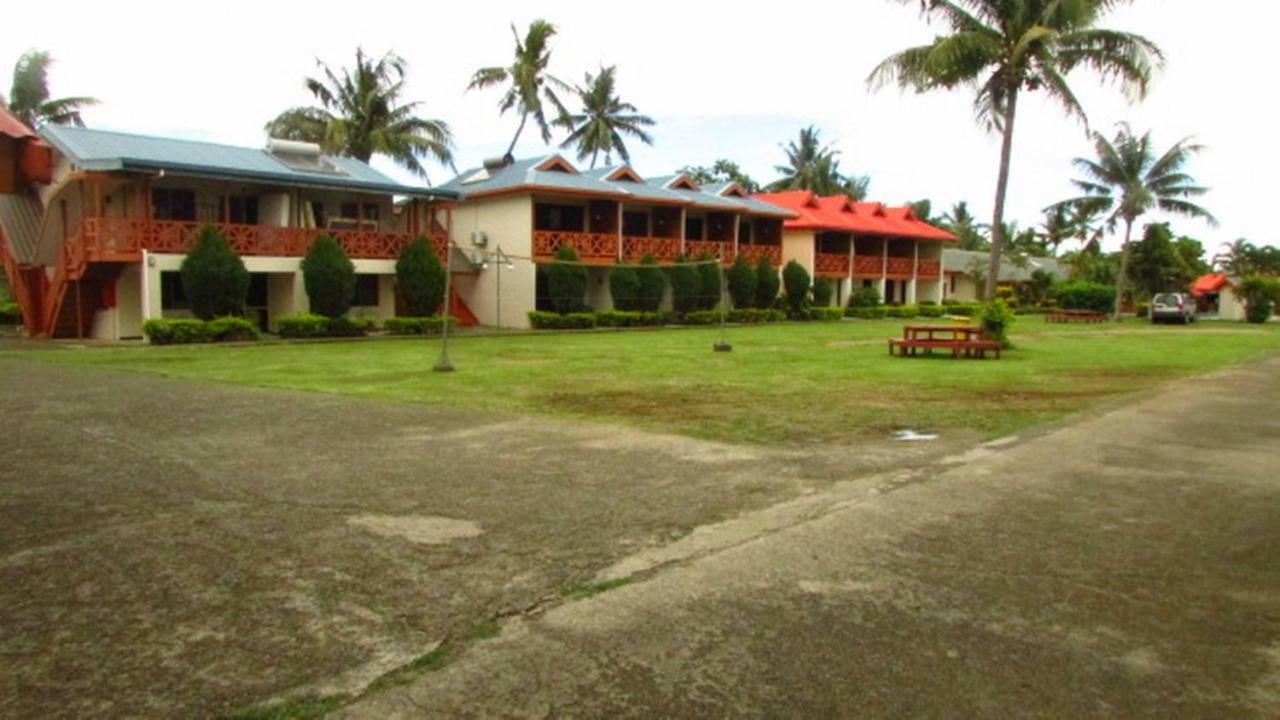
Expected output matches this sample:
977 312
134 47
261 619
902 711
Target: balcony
600 248
899 267
831 265
124 239
931 269
755 252
868 266
694 249
636 247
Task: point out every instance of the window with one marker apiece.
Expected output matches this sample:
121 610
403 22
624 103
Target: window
744 232
351 211
257 295
242 209
635 223
693 228
568 218
171 295
173 204
321 216
953 284
366 291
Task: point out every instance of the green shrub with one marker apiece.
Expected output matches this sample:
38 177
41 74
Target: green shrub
350 327
902 311
932 311
823 290
923 303
302 326
330 278
10 313
561 321
867 312
767 283
430 325
709 290
742 281
566 281
229 328
652 285
624 286
752 316
825 313
950 301
864 297
702 317
996 318
1260 295
420 278
964 309
1085 296
623 318
213 277
686 285
795 282
176 331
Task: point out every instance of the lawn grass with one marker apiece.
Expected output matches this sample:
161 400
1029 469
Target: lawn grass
781 384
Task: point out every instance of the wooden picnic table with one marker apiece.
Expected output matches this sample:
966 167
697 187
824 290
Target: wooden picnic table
968 341
943 332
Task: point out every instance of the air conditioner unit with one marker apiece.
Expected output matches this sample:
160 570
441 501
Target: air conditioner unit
479 239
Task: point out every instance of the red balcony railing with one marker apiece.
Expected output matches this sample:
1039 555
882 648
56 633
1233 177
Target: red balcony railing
590 247
636 247
929 268
755 252
899 267
124 239
716 249
868 265
831 264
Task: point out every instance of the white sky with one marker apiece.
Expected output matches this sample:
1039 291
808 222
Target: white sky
722 80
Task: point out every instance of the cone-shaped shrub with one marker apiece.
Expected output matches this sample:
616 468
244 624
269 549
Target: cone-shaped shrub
566 281
823 289
653 284
795 279
624 286
709 282
213 277
420 278
330 278
686 285
767 283
742 283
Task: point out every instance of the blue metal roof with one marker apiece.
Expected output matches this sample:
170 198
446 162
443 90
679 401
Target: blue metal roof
104 150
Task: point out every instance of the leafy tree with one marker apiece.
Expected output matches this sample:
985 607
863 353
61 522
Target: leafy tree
1127 180
29 94
214 278
1155 265
795 280
604 119
823 290
686 285
529 84
1260 295
566 281
767 283
360 114
814 166
329 277
624 286
1039 288
653 284
1191 251
1007 47
721 171
420 278
742 282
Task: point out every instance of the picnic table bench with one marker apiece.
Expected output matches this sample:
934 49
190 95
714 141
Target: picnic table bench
1070 316
968 341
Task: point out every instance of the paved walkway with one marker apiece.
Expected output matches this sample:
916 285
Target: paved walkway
1123 566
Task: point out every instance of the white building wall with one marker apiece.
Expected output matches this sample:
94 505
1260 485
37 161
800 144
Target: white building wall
508 224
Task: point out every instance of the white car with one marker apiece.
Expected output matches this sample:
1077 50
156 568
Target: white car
1173 307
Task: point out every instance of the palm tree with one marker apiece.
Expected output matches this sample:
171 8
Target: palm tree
1006 47
29 95
1127 180
814 166
529 82
1236 258
965 226
604 119
361 115
1062 223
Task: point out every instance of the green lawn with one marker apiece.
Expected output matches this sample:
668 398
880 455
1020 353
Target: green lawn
790 383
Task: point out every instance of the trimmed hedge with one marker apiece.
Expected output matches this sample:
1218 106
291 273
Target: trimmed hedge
1085 296
932 311
866 312
752 316
618 318
429 325
185 331
864 297
905 312
302 326
556 321
702 317
825 314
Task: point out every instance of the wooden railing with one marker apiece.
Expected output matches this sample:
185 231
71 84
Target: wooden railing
590 247
868 265
929 268
831 264
124 239
755 252
899 267
636 247
694 249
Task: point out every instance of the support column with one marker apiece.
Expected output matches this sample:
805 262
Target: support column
915 273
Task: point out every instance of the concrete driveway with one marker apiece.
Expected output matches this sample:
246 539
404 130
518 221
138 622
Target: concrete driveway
1125 565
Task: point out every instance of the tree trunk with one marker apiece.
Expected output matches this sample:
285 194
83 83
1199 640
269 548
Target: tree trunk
1124 269
520 129
1002 186
594 153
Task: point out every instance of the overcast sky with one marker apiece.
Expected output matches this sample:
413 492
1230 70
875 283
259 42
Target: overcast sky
722 80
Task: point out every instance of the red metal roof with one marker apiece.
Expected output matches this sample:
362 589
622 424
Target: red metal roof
838 213
12 126
1210 283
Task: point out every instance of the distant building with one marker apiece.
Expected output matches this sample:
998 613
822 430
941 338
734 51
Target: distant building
1215 293
966 270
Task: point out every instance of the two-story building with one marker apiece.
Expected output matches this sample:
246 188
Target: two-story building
95 225
529 208
863 244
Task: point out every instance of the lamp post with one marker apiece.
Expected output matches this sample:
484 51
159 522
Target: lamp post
442 363
721 345
500 262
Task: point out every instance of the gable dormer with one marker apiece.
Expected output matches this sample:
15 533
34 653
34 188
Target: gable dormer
680 182
733 190
555 163
624 173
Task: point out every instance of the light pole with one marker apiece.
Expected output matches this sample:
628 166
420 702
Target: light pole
500 262
721 345
442 363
